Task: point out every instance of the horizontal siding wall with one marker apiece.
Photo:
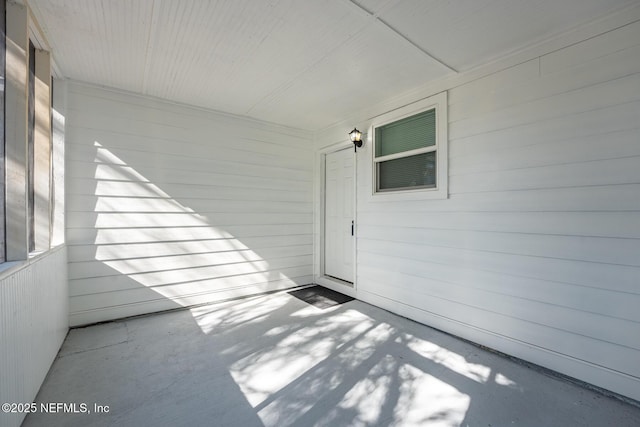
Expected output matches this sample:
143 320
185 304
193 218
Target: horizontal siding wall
537 250
171 206
33 323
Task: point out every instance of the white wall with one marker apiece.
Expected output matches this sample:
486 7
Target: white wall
33 324
536 251
171 206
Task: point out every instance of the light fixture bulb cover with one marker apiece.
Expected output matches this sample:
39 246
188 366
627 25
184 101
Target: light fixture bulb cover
355 135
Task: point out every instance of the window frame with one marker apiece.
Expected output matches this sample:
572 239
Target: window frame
3 170
438 103
28 140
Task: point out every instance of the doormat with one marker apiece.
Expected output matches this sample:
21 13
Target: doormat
320 297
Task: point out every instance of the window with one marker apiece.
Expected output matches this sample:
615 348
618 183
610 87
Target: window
410 149
39 150
28 143
31 127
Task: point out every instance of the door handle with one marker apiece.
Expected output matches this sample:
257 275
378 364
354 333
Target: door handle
352 227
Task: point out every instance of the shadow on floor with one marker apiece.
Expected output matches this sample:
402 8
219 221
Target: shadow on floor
276 360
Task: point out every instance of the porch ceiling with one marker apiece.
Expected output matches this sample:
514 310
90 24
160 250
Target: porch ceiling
305 64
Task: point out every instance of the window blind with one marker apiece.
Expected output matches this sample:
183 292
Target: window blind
410 133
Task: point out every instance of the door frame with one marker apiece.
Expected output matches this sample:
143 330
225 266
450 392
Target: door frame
319 241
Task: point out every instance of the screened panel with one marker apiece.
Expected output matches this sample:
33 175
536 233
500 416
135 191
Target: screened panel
31 148
417 171
410 133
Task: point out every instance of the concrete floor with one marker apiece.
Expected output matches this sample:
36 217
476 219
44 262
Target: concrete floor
276 361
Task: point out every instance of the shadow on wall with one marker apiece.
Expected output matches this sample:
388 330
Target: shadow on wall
135 249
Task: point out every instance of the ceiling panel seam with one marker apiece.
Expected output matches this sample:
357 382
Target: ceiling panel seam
370 17
150 44
291 81
376 17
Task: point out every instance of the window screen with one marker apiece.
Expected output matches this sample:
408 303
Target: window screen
30 147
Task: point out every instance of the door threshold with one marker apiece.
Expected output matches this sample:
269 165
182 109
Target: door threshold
337 285
339 280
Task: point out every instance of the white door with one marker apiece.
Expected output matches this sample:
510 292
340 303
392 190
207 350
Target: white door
339 215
